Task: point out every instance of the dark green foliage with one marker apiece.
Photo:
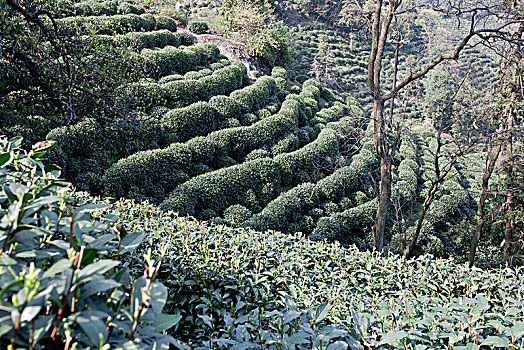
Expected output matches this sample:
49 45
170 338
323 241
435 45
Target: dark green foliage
180 125
184 123
171 60
293 205
225 187
168 165
225 106
356 221
327 229
90 147
257 95
198 27
147 40
174 92
301 78
62 279
257 154
237 214
126 7
164 22
320 152
116 24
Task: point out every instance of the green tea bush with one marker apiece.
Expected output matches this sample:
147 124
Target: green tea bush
195 120
97 8
127 8
257 95
226 107
180 125
279 72
237 214
320 152
164 22
294 205
172 60
115 24
148 40
133 176
174 92
225 187
91 147
62 279
425 302
198 27
195 75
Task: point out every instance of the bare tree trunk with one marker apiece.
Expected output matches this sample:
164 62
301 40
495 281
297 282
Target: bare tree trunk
440 176
488 171
383 203
510 227
384 195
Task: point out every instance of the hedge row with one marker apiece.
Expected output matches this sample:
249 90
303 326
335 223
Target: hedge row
143 170
183 92
251 184
397 303
198 27
117 24
108 8
298 208
151 174
87 148
146 40
201 118
173 60
196 74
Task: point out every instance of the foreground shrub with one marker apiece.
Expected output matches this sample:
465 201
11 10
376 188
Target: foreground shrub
61 279
380 301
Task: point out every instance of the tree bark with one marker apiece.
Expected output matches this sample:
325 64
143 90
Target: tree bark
510 227
384 195
481 220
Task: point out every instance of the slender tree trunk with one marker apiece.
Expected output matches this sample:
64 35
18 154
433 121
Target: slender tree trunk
488 171
384 195
383 203
425 207
510 227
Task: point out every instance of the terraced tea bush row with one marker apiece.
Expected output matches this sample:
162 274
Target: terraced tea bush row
183 92
172 60
87 149
140 172
298 209
145 40
106 8
117 24
202 118
252 184
196 74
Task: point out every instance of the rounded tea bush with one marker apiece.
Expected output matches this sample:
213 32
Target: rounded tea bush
237 214
198 27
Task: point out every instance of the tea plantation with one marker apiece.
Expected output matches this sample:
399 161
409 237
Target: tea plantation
175 199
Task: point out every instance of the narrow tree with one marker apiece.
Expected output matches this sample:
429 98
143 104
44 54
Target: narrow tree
511 92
